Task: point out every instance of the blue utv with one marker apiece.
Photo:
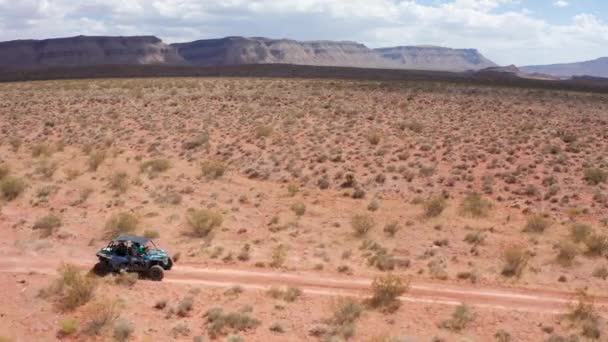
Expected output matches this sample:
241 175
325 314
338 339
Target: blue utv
131 253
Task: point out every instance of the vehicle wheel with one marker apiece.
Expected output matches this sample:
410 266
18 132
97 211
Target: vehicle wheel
156 273
102 268
169 264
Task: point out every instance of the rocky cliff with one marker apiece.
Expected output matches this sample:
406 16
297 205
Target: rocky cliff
597 68
83 51
435 58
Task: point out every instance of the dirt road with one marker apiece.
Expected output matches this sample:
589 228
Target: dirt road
443 293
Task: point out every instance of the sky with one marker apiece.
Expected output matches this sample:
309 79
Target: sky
521 32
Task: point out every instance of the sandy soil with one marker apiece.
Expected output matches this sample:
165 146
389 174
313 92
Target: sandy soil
286 150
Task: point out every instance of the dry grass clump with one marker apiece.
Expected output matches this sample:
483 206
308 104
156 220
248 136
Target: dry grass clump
516 259
203 221
597 244
119 181
220 322
263 131
567 251
96 158
579 232
123 329
47 225
299 208
279 255
461 317
391 228
11 187
595 176
362 224
289 294
4 170
68 326
154 167
342 323
102 314
386 291
213 169
537 223
585 316
434 206
475 205
126 279
121 223
72 289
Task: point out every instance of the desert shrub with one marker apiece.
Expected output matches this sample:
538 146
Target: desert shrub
279 254
11 187
47 225
201 140
537 223
461 316
289 294
584 314
120 223
516 259
126 279
292 189
160 304
151 234
475 238
277 328
123 329
597 244
595 176
358 193
155 166
342 322
234 291
4 170
580 231
43 150
373 205
220 322
374 137
203 221
213 169
434 206
298 208
567 251
386 291
382 260
362 224
72 289
391 228
503 336
46 168
119 181
263 131
68 326
185 306
475 205
600 272
96 158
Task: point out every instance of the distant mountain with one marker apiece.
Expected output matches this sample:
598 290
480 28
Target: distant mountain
239 50
83 51
91 51
594 68
436 58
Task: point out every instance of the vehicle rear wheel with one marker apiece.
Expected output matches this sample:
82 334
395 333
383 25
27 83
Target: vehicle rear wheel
102 268
156 273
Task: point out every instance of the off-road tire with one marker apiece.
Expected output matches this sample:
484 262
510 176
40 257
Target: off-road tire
156 273
169 264
101 268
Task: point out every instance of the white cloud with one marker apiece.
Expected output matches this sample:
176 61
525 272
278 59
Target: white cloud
498 28
561 3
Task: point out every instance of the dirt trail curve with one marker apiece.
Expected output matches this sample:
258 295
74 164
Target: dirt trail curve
496 298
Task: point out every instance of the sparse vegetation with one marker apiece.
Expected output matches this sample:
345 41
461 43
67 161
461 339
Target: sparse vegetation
203 222
213 169
461 317
11 187
434 206
475 205
516 259
537 224
47 225
121 223
71 290
595 176
220 322
154 167
386 291
362 224
96 158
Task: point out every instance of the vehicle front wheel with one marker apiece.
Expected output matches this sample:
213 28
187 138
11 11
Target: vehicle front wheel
102 268
156 273
169 264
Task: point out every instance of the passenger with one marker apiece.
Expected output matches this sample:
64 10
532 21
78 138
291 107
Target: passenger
121 249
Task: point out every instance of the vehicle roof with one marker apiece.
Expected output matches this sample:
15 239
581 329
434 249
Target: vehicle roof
132 238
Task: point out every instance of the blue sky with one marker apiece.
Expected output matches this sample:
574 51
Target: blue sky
521 32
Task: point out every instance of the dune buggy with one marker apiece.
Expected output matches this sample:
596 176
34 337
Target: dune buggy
131 253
